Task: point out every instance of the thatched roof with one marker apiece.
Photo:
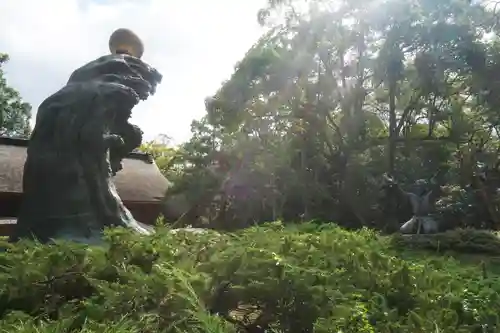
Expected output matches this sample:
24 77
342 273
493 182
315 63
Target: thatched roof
139 181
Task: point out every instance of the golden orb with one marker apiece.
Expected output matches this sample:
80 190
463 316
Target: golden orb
124 41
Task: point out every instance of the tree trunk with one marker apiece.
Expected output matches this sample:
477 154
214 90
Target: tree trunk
392 127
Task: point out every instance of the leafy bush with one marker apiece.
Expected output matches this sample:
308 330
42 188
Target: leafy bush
459 240
304 278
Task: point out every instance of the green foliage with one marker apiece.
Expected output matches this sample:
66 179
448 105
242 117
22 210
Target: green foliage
163 154
335 95
459 240
299 278
14 113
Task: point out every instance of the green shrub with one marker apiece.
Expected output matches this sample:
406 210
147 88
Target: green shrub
284 279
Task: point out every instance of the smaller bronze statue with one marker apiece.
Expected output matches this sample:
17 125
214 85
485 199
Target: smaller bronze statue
420 200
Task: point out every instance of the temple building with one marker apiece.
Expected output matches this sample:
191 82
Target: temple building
140 184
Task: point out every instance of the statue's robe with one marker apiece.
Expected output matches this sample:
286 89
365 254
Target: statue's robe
67 186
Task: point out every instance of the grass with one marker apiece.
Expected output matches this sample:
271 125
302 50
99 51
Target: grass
301 278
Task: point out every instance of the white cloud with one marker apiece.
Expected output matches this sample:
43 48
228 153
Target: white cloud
193 43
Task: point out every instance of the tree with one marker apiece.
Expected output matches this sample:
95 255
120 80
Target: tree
334 96
14 113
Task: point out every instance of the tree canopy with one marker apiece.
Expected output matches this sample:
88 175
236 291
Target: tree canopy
14 113
336 94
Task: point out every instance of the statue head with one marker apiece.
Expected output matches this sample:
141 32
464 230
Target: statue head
122 66
125 41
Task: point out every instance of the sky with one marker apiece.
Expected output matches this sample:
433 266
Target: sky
193 43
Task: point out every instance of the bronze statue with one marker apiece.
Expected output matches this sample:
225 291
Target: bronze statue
80 137
420 200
